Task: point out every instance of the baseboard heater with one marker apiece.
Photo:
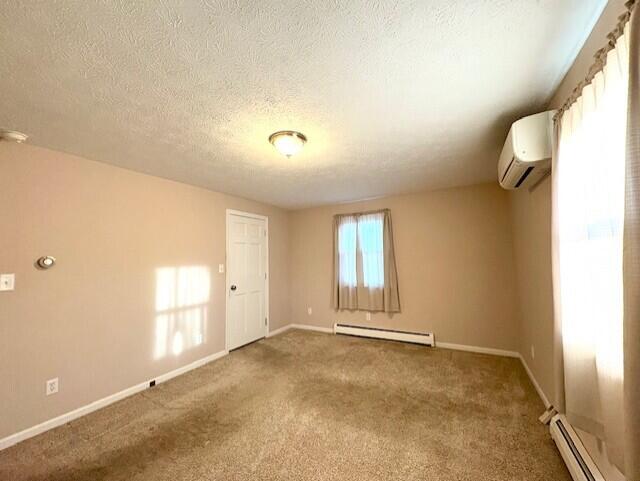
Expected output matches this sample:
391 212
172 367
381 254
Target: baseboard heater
576 457
425 338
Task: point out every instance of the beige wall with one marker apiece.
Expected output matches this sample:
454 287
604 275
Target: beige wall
454 259
91 319
531 220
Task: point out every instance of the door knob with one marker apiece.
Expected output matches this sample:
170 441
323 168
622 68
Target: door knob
233 287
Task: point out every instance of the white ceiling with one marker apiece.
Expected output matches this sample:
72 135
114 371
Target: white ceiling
394 96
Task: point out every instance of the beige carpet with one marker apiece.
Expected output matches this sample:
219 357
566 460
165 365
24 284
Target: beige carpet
311 406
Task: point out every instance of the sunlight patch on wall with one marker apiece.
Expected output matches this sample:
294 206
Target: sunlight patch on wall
182 297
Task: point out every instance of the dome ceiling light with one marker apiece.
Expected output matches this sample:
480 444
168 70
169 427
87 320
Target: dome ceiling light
288 142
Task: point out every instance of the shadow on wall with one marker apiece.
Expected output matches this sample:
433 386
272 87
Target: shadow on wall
182 297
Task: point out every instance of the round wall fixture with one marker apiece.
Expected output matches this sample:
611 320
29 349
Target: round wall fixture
13 136
46 262
288 142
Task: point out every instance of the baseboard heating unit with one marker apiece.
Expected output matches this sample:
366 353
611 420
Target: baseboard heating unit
576 457
425 338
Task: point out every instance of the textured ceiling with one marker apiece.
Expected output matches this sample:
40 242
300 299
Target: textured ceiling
394 96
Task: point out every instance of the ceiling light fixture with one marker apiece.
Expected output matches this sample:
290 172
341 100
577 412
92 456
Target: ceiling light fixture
288 142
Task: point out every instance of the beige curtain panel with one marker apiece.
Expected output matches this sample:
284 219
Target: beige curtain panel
365 276
596 250
631 260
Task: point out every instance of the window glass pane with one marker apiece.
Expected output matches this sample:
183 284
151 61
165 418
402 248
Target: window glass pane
370 229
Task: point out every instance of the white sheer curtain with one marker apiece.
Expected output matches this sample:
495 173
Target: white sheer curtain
589 190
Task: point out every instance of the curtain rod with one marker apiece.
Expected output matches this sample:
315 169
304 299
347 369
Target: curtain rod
600 59
366 212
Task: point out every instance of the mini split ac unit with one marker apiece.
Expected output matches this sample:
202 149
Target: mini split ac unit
526 155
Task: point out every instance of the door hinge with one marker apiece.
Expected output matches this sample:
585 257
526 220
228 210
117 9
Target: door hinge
265 321
265 275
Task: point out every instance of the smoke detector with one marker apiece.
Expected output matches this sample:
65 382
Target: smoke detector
13 136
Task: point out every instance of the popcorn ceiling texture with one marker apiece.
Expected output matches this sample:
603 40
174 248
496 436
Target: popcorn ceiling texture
393 96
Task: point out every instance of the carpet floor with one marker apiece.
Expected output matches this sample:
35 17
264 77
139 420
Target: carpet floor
311 406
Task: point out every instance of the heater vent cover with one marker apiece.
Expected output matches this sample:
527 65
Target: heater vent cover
424 338
574 454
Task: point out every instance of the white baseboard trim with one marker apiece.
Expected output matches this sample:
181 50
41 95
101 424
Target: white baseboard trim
500 352
279 330
306 327
477 349
100 403
535 382
444 345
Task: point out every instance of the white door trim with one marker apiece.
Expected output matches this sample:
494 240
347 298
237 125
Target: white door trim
227 284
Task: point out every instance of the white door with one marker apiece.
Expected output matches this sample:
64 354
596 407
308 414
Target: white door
246 278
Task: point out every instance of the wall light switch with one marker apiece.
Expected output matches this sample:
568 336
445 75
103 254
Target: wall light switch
368 316
220 268
7 282
309 311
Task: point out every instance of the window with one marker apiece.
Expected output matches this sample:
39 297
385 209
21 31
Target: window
367 232
589 223
371 243
365 275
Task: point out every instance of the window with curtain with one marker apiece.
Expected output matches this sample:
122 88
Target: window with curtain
589 215
365 275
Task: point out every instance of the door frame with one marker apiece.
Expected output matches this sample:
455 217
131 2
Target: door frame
227 283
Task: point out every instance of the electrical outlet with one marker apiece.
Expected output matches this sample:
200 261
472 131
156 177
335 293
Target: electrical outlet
533 352
52 386
7 282
368 316
309 311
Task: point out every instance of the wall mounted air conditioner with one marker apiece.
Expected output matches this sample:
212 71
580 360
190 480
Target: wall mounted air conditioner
576 457
526 155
